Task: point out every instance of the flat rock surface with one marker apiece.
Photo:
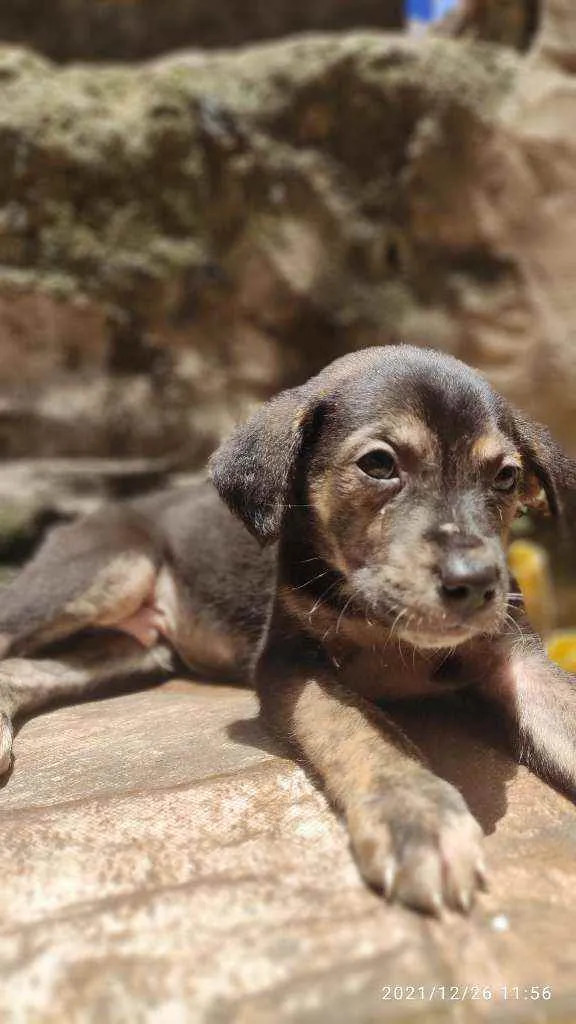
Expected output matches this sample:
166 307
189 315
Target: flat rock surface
161 862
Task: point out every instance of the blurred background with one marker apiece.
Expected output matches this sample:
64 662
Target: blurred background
201 203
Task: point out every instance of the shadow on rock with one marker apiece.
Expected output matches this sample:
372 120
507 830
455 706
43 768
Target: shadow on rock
459 739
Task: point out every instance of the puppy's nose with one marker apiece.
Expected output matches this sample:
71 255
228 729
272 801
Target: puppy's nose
468 583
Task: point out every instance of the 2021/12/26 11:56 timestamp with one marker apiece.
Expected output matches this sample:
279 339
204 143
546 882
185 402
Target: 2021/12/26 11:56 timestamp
460 993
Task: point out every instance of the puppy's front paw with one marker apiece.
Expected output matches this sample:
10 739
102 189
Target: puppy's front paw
420 846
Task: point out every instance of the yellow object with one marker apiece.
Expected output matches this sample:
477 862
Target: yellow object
561 647
529 564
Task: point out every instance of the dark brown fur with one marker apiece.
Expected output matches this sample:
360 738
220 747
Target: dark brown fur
338 587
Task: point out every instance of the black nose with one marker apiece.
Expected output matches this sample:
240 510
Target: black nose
468 583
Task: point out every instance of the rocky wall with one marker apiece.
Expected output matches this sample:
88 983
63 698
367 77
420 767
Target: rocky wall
179 239
136 29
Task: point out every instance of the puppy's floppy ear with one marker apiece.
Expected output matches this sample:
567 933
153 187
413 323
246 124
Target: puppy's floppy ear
254 468
547 466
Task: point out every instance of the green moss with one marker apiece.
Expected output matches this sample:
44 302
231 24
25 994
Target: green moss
16 521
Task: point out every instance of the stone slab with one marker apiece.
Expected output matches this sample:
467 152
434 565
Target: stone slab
163 863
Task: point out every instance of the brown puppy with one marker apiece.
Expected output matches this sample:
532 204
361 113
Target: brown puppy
388 484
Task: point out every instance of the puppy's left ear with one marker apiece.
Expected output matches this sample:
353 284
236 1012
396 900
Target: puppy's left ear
547 466
254 469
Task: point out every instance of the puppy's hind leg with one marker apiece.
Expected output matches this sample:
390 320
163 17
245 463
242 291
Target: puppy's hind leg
98 571
70 670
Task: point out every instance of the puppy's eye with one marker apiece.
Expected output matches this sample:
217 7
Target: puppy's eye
506 478
379 464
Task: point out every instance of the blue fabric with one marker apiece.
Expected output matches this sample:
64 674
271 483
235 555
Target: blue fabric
428 10
421 9
442 7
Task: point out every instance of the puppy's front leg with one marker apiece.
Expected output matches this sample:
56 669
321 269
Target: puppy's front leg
538 700
411 832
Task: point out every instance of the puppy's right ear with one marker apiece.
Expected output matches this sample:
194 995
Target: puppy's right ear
253 469
547 467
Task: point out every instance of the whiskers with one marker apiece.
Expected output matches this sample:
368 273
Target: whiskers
511 621
343 612
307 583
403 617
396 622
514 601
321 601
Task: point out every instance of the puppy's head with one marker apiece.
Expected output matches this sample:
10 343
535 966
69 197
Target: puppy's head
404 470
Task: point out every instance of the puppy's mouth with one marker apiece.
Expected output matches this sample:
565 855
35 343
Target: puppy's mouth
436 637
440 630
435 625
426 613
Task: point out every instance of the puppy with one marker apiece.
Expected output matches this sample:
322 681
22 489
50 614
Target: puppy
364 563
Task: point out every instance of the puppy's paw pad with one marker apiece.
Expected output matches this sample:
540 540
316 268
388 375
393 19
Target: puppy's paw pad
6 739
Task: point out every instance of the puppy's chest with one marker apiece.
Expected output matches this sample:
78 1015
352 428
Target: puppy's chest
393 672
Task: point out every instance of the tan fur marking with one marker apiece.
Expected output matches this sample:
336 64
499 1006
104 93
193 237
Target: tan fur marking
350 751
406 431
411 432
118 591
197 642
321 499
321 495
490 447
